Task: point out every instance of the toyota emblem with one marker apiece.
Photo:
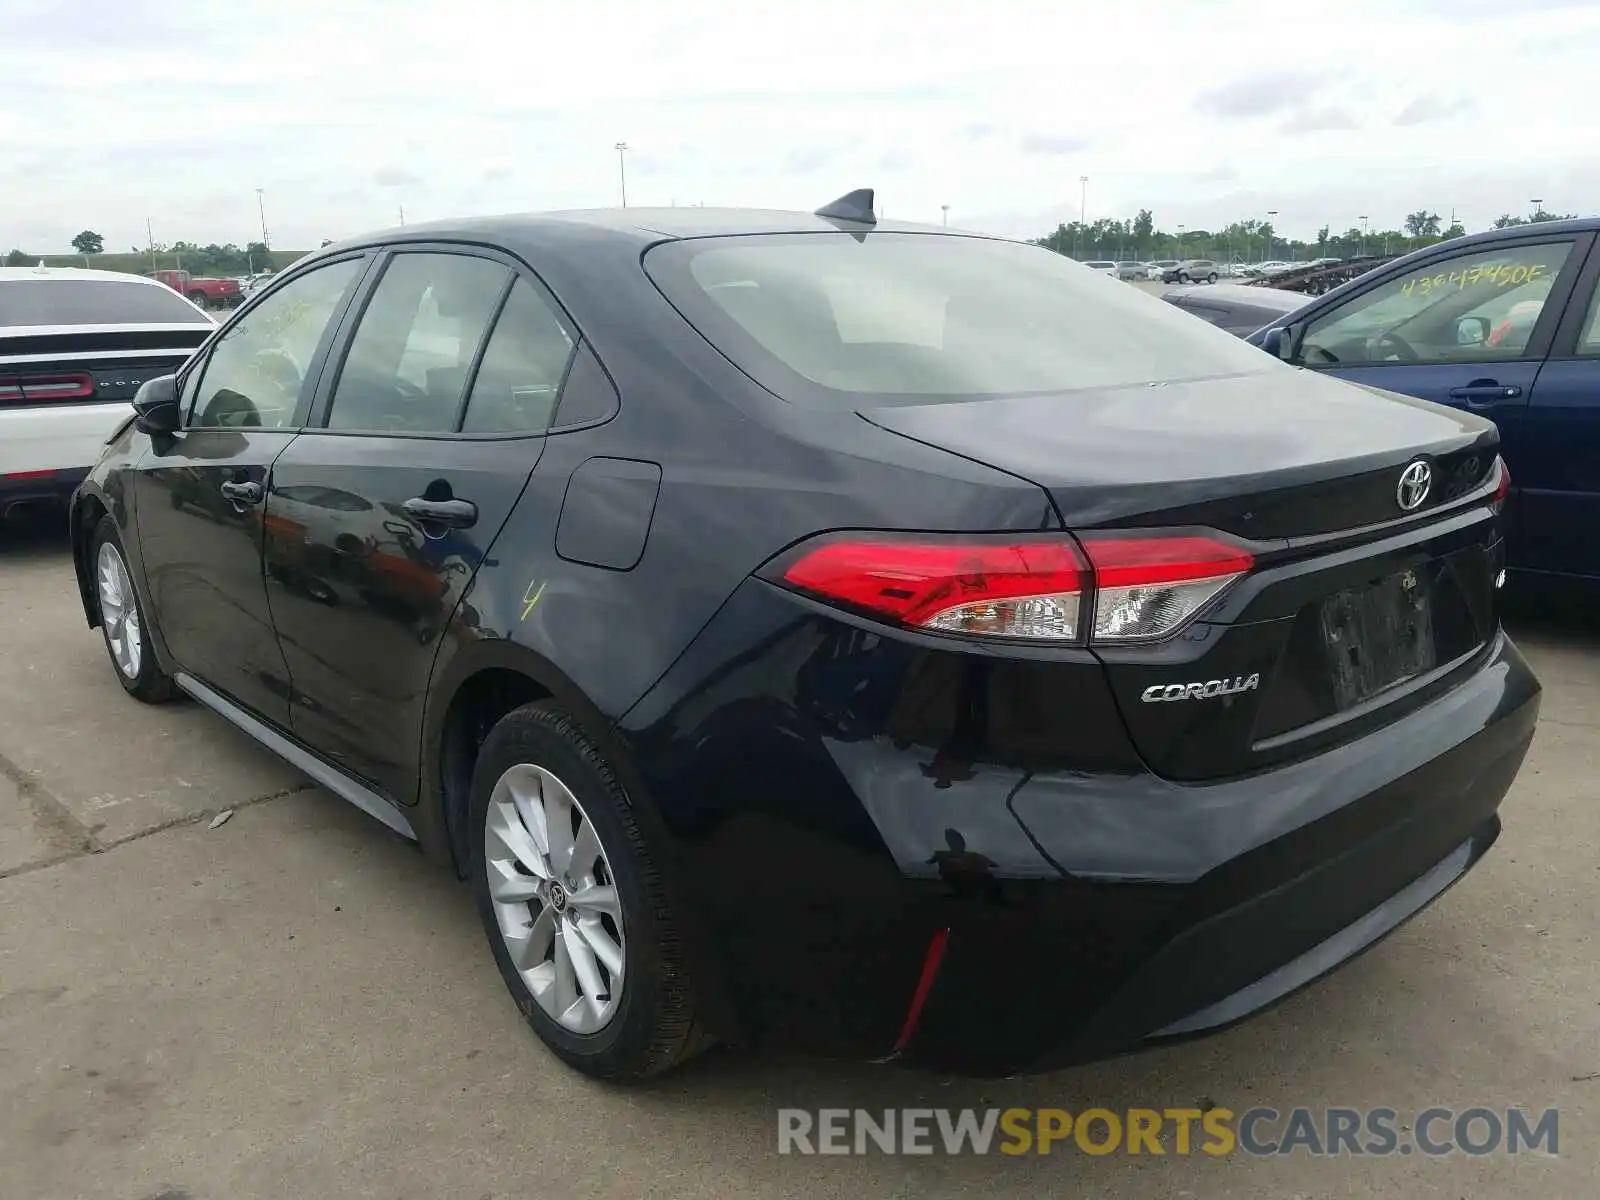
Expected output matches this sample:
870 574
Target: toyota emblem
1415 482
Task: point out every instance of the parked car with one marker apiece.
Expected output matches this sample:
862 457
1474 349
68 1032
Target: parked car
1157 270
75 345
1132 270
1233 307
201 290
1503 324
1103 267
791 624
1193 270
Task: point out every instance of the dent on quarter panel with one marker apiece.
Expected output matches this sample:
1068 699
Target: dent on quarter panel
605 516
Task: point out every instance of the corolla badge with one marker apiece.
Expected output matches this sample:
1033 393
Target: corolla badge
1209 690
1415 482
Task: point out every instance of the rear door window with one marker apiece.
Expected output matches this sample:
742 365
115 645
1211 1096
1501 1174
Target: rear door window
407 366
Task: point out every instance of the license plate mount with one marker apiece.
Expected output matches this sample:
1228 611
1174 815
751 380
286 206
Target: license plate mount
1379 636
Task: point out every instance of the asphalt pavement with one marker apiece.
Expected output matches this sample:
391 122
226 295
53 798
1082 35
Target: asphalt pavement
296 1004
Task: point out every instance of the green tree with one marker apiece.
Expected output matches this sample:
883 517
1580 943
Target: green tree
1422 223
1144 226
89 242
18 258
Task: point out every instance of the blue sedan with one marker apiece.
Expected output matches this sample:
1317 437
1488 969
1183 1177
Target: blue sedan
1507 324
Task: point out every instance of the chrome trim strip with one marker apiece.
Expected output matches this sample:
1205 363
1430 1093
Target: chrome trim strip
330 777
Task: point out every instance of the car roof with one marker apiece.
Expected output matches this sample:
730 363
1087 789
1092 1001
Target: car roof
78 274
641 226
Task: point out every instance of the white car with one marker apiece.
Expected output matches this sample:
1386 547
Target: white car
1103 267
75 345
1273 267
1154 271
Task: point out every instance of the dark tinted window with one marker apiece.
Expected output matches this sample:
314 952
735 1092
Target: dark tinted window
256 375
828 317
408 362
93 302
522 368
588 395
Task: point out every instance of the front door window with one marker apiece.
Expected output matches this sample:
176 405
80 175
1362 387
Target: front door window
1477 307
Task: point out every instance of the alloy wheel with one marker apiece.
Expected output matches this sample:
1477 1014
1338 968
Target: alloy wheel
119 612
555 898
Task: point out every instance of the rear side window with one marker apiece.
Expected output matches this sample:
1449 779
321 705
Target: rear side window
520 376
93 302
829 319
407 368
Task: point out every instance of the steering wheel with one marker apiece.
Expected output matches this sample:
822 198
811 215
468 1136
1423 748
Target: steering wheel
1390 344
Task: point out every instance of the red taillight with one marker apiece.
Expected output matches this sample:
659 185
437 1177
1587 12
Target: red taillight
1148 586
1145 585
38 389
1503 488
1004 588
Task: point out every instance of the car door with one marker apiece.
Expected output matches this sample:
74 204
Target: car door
1469 329
422 439
198 493
1558 477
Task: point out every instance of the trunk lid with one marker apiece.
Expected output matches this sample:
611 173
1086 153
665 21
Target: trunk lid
89 365
1356 610
1273 455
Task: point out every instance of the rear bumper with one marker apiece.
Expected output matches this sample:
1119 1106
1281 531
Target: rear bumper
39 487
57 437
824 841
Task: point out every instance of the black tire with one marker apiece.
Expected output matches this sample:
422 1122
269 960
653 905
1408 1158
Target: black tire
654 1027
151 684
199 298
1182 278
1211 278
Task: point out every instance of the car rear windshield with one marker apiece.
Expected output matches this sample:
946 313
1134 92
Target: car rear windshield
92 302
832 318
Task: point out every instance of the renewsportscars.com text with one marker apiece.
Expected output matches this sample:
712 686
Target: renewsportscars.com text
1316 1132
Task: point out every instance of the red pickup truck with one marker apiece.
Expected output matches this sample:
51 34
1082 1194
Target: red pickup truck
204 291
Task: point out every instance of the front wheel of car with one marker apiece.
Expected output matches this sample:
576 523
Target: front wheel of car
1182 278
122 621
1211 278
573 903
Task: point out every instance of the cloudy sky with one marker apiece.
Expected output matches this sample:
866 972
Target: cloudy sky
1204 110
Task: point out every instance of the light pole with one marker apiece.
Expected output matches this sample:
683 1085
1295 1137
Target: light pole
261 207
622 170
1271 212
1363 221
1083 210
1534 215
1180 243
944 210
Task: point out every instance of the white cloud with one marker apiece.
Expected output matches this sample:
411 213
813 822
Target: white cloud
114 110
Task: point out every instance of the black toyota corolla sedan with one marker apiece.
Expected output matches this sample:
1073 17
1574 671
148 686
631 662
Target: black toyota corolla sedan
804 629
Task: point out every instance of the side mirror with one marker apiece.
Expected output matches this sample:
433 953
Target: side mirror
1472 331
155 405
1283 341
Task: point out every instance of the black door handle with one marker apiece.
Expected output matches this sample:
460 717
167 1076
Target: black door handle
242 493
1485 395
456 514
